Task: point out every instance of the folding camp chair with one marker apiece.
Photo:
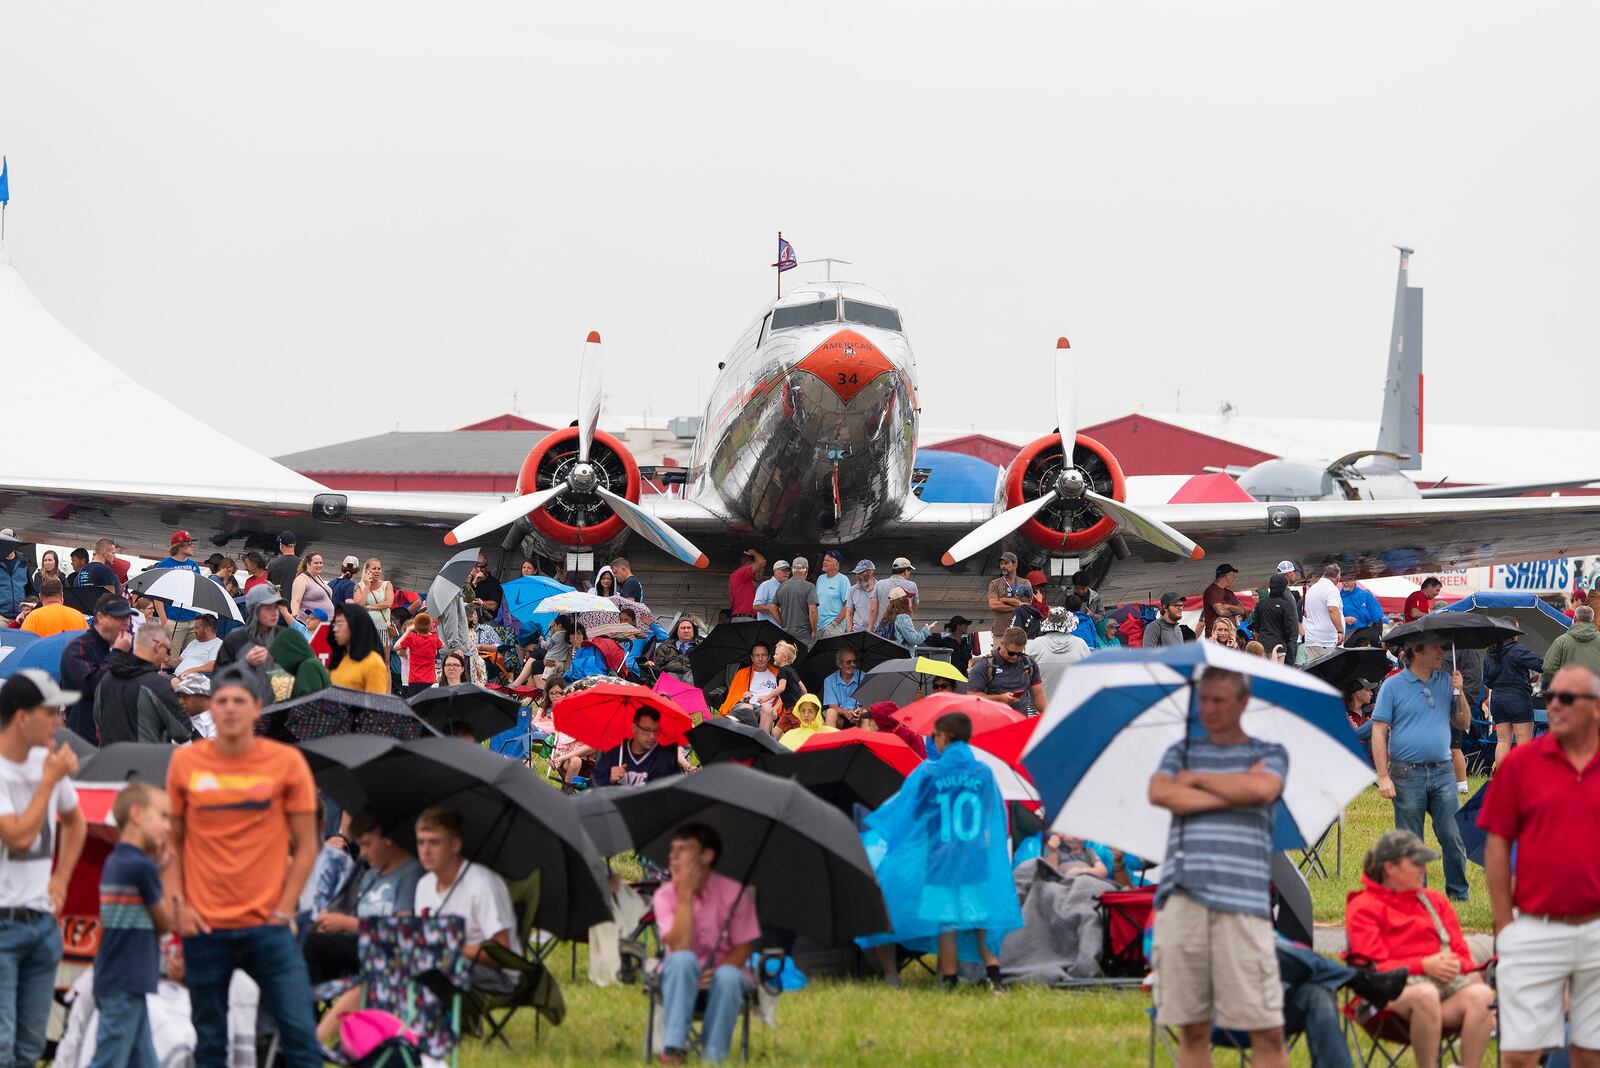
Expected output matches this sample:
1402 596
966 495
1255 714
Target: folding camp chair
1373 1032
1312 862
412 967
535 988
1123 917
1234 1042
768 966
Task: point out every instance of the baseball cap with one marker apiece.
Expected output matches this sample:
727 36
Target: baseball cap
1036 578
959 621
781 565
1009 557
356 560
898 593
262 594
194 684
902 564
7 532
50 695
1360 684
800 564
838 556
116 609
864 565
1399 844
1225 569
1167 598
181 537
286 538
1287 567
243 676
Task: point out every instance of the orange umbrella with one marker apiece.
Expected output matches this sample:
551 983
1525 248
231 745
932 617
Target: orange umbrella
602 715
984 713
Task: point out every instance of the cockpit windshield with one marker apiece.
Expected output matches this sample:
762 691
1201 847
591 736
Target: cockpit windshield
872 315
823 311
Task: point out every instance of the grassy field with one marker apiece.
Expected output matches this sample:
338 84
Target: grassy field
867 1023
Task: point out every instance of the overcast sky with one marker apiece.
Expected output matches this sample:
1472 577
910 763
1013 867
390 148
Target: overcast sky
379 215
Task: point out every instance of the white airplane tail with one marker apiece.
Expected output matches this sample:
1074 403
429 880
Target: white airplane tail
1400 430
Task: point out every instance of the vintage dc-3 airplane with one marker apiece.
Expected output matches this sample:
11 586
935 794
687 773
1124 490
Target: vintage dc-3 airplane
808 439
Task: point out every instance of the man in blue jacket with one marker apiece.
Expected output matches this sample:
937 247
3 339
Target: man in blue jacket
15 581
1363 617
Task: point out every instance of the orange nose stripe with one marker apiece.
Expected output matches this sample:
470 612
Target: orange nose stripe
846 362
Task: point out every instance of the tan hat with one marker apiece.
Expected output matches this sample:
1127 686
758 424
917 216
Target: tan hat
897 593
901 564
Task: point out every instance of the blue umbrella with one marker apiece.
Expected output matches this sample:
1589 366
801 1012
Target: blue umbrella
1541 624
524 594
12 642
44 654
1473 836
1116 714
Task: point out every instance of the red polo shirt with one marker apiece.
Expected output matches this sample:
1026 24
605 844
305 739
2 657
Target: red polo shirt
1417 606
1551 810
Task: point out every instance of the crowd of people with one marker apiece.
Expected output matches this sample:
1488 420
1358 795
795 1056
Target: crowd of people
144 670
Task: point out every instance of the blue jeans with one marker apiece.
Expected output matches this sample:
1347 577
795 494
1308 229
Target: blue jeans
1309 1003
29 953
269 955
680 987
1430 790
123 1038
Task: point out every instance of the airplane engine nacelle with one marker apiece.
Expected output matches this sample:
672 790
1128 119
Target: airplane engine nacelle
578 519
1064 526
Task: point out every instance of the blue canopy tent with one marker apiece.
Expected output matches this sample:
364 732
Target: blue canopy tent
1541 623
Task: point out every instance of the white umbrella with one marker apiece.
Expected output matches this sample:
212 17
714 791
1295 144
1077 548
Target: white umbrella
1115 715
573 601
182 588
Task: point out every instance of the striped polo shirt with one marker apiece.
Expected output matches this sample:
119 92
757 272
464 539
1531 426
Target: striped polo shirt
129 960
1222 859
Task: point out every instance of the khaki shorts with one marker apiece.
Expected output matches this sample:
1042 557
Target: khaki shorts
1216 967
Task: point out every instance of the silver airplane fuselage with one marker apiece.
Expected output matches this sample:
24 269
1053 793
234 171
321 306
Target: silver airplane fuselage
811 428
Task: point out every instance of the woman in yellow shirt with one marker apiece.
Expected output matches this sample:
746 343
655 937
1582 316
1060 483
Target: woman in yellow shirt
357 660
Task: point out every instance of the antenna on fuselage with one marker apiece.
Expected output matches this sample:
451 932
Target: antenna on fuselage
830 261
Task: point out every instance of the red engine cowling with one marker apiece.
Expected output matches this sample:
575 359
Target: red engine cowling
574 519
1064 526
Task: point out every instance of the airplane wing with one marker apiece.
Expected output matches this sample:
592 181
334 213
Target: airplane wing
1514 489
1367 538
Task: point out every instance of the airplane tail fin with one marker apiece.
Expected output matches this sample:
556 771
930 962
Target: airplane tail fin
1401 428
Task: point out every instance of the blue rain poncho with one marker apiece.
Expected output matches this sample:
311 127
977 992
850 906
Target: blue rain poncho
940 848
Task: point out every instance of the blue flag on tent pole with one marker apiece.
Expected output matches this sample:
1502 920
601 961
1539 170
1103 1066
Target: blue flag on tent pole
5 184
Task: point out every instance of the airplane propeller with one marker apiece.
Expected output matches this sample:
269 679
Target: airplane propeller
583 480
1072 486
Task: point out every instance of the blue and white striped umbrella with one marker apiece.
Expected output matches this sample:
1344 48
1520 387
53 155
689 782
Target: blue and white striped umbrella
1115 715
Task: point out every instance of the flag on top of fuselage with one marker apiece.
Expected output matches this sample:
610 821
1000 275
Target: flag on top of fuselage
5 183
786 261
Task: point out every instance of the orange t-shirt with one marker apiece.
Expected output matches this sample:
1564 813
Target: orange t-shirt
235 813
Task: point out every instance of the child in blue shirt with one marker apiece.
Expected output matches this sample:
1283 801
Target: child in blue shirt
133 915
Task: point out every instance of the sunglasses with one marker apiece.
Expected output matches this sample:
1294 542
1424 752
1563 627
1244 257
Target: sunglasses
1009 653
1567 697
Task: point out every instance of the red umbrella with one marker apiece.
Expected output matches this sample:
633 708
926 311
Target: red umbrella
888 748
1008 741
602 715
985 714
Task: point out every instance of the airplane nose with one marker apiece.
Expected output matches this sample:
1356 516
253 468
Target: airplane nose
846 363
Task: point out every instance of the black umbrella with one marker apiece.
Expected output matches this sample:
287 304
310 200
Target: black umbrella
1459 630
844 777
336 710
182 588
1342 667
872 650
729 644
1291 900
725 738
601 820
485 712
892 680
802 856
127 762
514 823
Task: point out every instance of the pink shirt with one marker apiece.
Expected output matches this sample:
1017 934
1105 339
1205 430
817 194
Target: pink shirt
711 908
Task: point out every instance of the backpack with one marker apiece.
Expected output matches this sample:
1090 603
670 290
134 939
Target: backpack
1029 619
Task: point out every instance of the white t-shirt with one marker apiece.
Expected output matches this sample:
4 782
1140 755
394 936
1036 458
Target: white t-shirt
763 682
25 877
1319 628
197 653
478 896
